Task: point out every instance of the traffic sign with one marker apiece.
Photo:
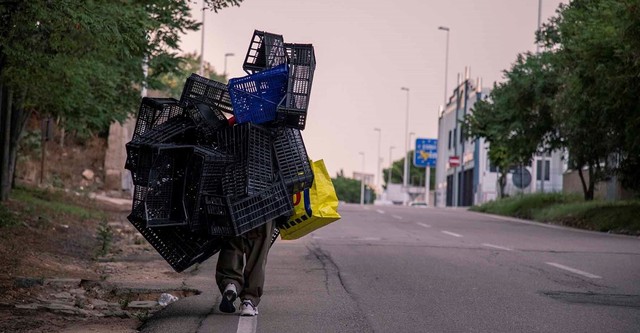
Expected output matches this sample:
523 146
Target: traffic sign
454 161
426 153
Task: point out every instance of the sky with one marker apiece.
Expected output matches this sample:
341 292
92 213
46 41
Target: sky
366 51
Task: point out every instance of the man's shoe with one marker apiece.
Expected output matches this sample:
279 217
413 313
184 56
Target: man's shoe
228 297
248 309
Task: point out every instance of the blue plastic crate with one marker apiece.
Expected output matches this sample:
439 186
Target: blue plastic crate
256 97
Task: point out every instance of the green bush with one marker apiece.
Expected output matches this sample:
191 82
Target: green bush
7 218
569 210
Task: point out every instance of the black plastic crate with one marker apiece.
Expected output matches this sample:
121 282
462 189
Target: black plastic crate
292 112
203 177
154 112
291 118
302 65
140 155
198 89
252 170
177 245
164 202
256 97
235 216
208 121
266 50
292 160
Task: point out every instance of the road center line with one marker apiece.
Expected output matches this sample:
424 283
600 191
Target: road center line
451 233
397 217
380 211
247 324
423 225
573 270
497 247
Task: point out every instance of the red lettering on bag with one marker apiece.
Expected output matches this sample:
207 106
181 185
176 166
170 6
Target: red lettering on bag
297 198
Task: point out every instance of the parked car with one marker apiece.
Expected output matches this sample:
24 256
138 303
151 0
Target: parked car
421 204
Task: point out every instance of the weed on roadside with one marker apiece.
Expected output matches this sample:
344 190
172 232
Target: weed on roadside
7 218
104 236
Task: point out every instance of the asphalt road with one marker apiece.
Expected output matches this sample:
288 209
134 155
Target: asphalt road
409 269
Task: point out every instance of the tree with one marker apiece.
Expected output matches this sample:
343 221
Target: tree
82 61
597 51
516 120
348 189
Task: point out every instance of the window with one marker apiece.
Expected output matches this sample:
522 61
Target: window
449 139
547 166
455 135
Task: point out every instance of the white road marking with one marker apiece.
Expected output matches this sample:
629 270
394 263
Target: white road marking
380 211
497 247
247 324
451 233
368 239
397 217
423 225
573 270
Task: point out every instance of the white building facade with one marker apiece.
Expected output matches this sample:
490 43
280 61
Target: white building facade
474 180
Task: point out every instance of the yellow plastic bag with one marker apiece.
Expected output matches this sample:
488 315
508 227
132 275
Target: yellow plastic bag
314 207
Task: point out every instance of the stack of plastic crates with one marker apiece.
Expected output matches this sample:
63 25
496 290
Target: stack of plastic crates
292 160
302 65
266 50
199 179
233 216
256 97
252 170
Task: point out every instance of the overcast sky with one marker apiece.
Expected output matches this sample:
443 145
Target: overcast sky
366 51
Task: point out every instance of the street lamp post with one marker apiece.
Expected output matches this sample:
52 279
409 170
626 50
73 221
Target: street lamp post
201 71
411 134
362 181
378 182
390 168
406 150
446 63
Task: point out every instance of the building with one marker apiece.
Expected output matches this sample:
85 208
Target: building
464 174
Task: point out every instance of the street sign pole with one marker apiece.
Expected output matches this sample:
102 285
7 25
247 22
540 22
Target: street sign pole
427 184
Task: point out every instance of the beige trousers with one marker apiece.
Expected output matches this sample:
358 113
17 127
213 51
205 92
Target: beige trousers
242 261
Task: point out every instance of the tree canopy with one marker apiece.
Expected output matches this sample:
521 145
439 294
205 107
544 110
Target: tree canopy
580 94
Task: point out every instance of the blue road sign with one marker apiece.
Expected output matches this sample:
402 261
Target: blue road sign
426 153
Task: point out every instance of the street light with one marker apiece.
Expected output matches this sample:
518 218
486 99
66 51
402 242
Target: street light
411 134
225 63
446 63
378 182
390 168
406 149
362 181
201 71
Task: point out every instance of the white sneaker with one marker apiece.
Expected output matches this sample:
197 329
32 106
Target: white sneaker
248 309
228 297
